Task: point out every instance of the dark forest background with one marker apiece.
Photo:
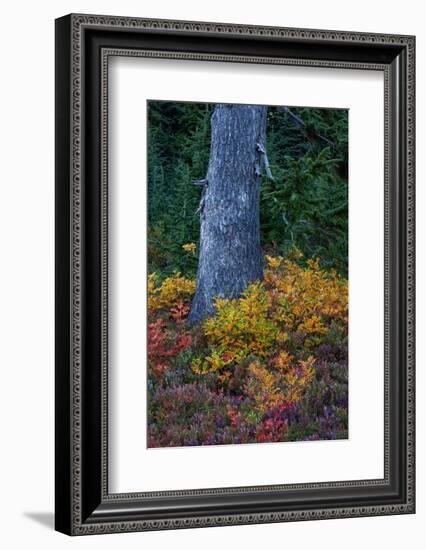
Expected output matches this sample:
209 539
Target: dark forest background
304 206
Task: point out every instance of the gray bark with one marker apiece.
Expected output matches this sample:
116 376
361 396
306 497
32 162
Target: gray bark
230 254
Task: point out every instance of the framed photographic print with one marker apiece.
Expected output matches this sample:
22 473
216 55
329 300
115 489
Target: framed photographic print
234 274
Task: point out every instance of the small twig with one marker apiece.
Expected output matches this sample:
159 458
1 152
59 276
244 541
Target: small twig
302 123
200 183
295 117
200 208
262 151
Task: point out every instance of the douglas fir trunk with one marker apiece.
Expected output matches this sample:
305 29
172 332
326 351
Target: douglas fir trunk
230 254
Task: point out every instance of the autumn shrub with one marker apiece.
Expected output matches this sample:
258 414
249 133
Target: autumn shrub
165 344
281 384
294 307
192 414
309 301
168 293
270 365
168 334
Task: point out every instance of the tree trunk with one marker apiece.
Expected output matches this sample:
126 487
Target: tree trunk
230 254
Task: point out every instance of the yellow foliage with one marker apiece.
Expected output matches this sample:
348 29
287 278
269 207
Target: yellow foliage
217 359
283 361
306 300
190 247
274 387
263 388
274 262
296 381
291 299
168 293
312 325
242 326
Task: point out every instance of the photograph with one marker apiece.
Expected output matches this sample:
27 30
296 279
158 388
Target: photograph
234 273
212 242
248 275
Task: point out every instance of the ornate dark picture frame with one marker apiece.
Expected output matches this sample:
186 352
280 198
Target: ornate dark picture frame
84 44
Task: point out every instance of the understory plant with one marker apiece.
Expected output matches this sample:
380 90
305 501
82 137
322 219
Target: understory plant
268 366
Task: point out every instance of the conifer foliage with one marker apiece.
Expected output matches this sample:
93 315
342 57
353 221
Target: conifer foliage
305 205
